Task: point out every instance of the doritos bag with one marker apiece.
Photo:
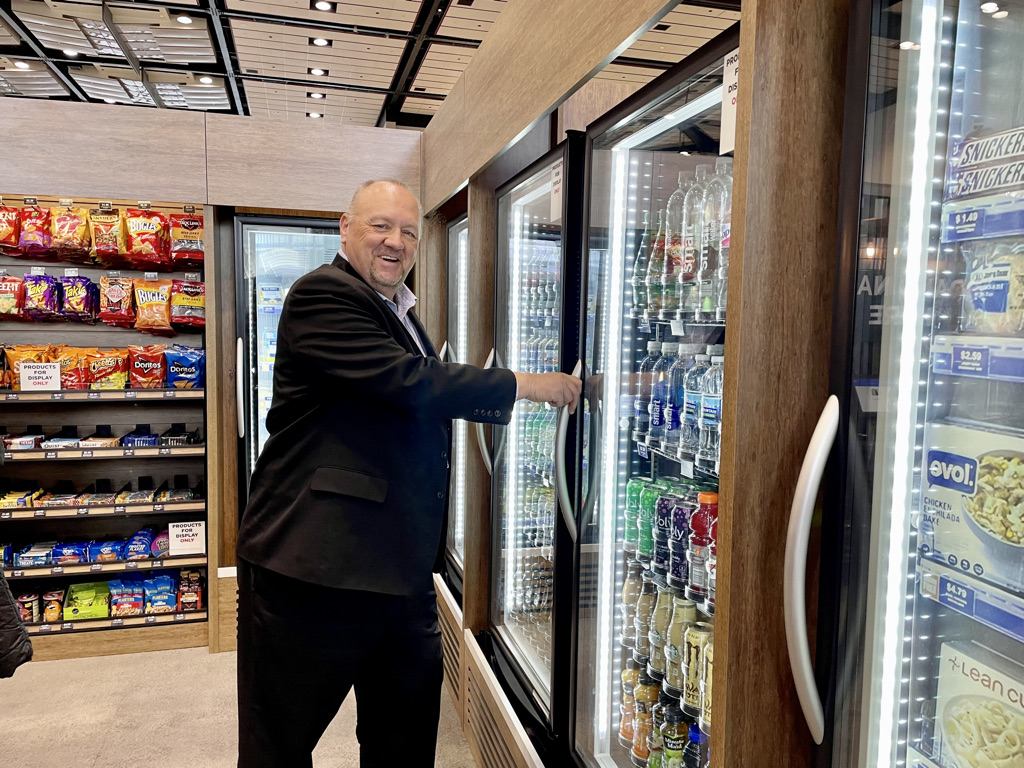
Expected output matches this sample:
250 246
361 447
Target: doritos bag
108 240
186 241
186 367
70 234
146 367
148 240
117 299
153 304
188 303
10 230
34 239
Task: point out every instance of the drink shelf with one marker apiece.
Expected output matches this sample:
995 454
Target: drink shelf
689 468
996 608
117 622
97 454
104 395
101 510
997 358
78 569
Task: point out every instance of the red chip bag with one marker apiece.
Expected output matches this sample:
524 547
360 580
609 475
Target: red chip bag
12 297
10 230
148 239
146 366
153 303
74 366
117 297
35 239
108 369
70 234
186 241
188 303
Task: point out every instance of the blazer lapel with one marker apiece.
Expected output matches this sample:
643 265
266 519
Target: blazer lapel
427 344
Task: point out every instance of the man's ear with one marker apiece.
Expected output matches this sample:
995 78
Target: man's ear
343 223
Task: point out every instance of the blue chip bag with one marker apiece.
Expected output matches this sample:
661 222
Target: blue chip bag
139 545
106 551
186 367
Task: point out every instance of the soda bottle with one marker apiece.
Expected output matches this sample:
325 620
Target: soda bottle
689 429
674 735
710 422
693 228
642 404
693 752
717 200
723 252
639 278
671 275
660 392
656 270
707 669
677 373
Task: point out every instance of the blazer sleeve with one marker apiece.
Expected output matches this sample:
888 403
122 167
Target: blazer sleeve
336 331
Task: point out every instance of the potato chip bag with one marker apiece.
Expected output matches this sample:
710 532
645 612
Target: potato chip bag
80 297
108 240
74 366
12 297
186 241
108 369
146 366
23 354
42 297
70 234
10 230
188 303
117 301
148 239
35 239
153 304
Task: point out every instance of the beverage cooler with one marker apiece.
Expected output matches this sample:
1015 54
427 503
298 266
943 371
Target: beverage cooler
271 253
455 347
921 652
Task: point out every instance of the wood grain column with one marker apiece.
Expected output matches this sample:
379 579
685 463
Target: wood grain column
431 279
785 198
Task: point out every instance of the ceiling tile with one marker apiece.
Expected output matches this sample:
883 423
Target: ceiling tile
7 36
688 29
398 15
471 22
442 67
278 102
418 106
36 82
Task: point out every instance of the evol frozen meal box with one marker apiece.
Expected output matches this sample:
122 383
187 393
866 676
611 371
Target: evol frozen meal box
979 711
973 517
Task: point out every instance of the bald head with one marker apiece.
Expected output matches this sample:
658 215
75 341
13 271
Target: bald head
394 186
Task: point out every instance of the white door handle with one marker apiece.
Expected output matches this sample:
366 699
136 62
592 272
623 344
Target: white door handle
453 354
240 387
561 482
794 596
481 441
443 352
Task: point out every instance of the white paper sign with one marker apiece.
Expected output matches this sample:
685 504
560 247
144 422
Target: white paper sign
187 538
40 377
730 84
556 192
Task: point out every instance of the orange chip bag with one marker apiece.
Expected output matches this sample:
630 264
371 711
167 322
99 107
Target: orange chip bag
24 354
69 229
153 304
116 301
148 239
108 369
108 241
74 366
146 366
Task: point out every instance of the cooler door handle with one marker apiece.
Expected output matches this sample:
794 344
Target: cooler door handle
561 481
443 353
240 387
481 441
794 596
453 353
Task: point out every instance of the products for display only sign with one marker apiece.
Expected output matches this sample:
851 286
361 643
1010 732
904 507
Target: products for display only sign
39 377
187 538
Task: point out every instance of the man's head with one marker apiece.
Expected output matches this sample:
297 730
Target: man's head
379 233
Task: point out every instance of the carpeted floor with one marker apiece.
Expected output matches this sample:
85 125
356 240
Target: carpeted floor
171 709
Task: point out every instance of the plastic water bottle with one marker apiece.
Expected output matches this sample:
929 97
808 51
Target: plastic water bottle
693 212
660 392
642 403
689 432
676 375
710 437
717 202
723 251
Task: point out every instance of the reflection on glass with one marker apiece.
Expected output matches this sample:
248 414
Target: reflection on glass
458 337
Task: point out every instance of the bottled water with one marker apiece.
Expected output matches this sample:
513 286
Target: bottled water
639 277
693 228
656 272
676 375
642 403
671 275
660 392
717 204
689 432
711 413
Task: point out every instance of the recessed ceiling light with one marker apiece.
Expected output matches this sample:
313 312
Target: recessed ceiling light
323 5
906 45
183 19
319 41
1000 14
21 64
313 114
317 71
110 101
69 53
206 80
989 7
315 95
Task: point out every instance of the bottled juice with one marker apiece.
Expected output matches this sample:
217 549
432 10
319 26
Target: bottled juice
684 615
642 623
646 697
659 631
674 734
630 677
630 592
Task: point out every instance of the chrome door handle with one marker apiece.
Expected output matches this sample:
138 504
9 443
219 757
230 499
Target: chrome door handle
561 482
240 387
794 594
481 441
444 351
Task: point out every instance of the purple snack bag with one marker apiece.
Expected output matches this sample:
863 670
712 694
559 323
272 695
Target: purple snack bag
78 303
42 297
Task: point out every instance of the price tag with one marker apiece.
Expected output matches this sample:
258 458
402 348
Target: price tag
678 328
65 202
117 622
8 455
51 455
96 567
179 617
93 396
158 507
150 275
643 450
190 209
46 628
5 515
31 201
38 270
57 570
687 467
151 619
106 205
57 396
114 273
164 452
645 325
158 563
128 452
86 454
17 574
145 205
192 276
120 509
12 396
129 394
39 513
131 565
82 511
170 392
67 626
73 272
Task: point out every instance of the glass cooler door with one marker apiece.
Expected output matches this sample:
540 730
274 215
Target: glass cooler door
458 336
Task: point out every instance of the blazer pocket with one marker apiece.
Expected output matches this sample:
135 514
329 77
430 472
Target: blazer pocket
349 482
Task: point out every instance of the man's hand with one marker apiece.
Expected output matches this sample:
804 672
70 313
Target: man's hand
556 389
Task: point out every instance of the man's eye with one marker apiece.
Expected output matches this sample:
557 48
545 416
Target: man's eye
381 227
407 233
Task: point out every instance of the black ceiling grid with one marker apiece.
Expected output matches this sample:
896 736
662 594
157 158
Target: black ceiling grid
31 49
429 18
226 53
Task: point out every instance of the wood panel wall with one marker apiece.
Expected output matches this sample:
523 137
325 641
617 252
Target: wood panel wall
590 102
431 278
785 198
509 85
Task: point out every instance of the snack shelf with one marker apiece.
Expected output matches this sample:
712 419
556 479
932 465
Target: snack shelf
78 569
688 467
119 622
101 510
986 357
96 454
108 395
996 608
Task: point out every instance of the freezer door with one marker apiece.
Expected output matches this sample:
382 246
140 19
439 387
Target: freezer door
458 339
271 254
931 669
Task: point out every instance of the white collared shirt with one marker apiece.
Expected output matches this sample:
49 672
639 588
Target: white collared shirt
404 300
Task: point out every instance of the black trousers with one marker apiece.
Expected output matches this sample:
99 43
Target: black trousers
301 649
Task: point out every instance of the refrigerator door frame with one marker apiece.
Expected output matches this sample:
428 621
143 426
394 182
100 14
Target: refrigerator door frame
623 114
546 724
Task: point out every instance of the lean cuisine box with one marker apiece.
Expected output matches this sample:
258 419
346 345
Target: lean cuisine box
979 712
973 517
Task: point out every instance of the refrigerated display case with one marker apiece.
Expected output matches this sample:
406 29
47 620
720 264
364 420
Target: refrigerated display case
455 348
271 253
923 616
656 279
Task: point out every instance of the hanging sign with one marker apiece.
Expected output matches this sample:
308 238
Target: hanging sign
556 191
730 84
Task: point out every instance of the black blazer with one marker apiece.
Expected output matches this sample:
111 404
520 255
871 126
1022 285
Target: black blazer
351 489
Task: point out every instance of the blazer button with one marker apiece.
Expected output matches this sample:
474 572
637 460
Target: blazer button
440 494
444 454
476 411
490 413
498 414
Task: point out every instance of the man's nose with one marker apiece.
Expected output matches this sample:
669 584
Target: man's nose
394 240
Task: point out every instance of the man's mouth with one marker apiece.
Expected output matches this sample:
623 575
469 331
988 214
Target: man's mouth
389 258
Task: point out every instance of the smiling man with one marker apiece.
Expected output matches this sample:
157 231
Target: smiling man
347 504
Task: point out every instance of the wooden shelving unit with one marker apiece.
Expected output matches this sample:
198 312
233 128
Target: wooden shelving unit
95 454
101 510
105 395
127 566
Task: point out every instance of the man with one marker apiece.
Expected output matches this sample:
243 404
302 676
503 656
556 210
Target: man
345 520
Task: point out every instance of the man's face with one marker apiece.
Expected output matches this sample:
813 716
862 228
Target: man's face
380 234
